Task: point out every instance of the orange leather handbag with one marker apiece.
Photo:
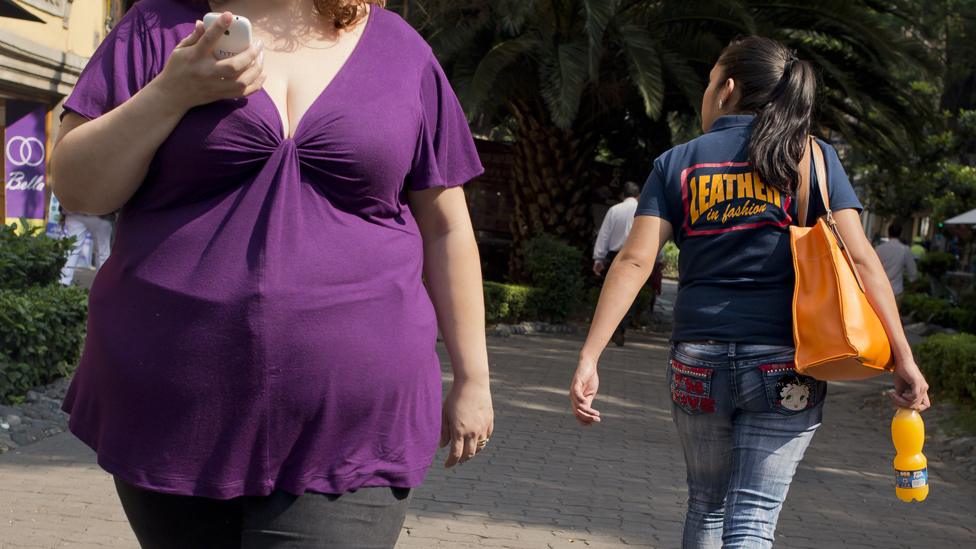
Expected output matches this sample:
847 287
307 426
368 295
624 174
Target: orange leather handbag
837 334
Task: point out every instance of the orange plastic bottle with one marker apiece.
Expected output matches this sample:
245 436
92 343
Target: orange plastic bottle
911 472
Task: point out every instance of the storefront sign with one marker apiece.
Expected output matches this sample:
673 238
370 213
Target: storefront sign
55 7
24 159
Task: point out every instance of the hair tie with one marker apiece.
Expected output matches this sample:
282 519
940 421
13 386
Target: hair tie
790 61
783 79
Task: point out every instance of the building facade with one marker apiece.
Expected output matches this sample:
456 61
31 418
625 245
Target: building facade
44 45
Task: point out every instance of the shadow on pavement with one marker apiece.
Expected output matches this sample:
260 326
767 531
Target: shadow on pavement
623 479
544 480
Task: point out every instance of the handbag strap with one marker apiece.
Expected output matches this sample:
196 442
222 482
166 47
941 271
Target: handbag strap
821 166
803 187
815 154
803 199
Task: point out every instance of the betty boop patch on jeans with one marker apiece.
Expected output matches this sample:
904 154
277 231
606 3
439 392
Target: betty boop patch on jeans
787 391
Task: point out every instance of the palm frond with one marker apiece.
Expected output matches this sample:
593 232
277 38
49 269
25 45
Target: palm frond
644 59
498 58
449 41
564 77
513 14
683 77
598 14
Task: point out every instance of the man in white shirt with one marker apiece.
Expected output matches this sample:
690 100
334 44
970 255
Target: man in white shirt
897 260
613 233
615 228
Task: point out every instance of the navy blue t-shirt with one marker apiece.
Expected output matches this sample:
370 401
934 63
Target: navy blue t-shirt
735 267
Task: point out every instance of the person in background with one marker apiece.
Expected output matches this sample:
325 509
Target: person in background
76 225
919 247
897 260
613 233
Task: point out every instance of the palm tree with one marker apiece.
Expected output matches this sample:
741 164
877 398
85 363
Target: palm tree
568 80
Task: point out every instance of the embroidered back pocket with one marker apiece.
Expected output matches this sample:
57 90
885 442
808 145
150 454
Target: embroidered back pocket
789 392
691 387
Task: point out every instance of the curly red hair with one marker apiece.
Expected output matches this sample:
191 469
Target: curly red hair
342 13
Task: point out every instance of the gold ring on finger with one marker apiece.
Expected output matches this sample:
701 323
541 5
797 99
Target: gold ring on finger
482 443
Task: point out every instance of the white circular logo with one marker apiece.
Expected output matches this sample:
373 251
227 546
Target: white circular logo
25 151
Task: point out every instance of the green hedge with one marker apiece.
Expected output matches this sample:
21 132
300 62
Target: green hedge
939 311
30 258
936 264
670 258
921 285
968 300
642 302
506 302
949 364
41 332
42 324
928 309
555 270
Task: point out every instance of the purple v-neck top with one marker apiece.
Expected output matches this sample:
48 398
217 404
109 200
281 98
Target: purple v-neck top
262 323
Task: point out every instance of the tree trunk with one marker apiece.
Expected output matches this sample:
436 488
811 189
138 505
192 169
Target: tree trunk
551 182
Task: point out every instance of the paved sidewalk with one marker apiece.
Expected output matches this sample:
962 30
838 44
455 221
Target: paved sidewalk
545 482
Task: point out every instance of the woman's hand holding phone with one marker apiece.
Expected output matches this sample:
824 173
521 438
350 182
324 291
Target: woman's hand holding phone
194 76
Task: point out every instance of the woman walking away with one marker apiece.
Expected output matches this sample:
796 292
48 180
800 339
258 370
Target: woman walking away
743 414
261 367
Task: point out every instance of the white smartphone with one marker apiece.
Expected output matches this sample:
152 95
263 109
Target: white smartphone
236 39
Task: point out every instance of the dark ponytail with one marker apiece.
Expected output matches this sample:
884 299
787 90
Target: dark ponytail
780 90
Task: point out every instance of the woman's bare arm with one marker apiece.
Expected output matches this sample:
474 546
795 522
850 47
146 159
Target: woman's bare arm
453 271
911 389
626 276
98 165
628 273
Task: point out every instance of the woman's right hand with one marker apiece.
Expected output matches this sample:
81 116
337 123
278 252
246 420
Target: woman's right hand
911 389
193 76
586 382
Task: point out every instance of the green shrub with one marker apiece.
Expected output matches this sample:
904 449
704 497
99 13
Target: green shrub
642 302
929 309
670 258
965 320
968 300
921 285
41 333
949 364
505 302
939 311
936 264
555 269
30 258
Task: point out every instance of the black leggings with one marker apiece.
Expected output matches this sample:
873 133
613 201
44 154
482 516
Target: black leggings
367 518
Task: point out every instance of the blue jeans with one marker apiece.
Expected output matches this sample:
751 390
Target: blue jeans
744 418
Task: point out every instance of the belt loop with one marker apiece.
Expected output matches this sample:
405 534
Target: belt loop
732 350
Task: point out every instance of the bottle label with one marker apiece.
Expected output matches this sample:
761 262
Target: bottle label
911 479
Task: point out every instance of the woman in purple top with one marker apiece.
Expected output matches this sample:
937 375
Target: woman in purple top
261 340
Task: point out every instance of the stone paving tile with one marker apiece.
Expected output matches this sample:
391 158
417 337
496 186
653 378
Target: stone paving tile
547 483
